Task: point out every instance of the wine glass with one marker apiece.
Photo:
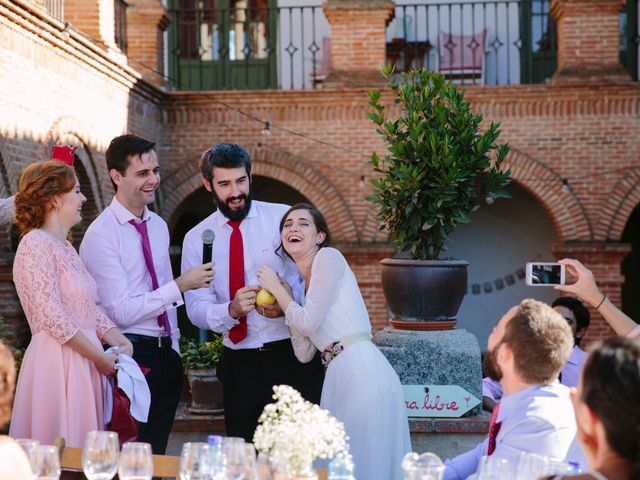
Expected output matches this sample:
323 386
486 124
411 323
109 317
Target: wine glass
100 455
136 462
27 444
250 462
45 461
234 450
194 461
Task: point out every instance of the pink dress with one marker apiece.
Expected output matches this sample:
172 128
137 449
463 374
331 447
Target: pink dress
59 391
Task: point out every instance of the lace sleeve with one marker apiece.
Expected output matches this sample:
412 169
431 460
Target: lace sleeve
302 346
328 269
35 274
103 323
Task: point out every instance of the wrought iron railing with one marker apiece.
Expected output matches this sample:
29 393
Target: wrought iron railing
248 48
485 42
120 26
55 8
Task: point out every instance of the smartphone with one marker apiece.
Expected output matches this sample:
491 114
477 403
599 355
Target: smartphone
542 274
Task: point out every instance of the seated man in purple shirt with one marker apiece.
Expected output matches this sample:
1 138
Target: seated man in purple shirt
526 350
578 318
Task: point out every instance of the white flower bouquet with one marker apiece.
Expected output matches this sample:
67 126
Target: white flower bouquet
294 432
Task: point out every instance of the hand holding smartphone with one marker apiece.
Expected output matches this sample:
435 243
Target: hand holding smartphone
545 274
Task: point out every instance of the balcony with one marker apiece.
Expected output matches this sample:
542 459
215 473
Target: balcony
262 44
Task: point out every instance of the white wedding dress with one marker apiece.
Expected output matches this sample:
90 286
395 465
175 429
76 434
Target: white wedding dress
361 389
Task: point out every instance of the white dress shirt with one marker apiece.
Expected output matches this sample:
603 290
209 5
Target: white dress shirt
538 419
112 252
208 308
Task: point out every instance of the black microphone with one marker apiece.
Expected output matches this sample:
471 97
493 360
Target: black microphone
207 245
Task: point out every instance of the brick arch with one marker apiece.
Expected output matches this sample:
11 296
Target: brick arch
61 134
546 186
618 206
559 200
288 169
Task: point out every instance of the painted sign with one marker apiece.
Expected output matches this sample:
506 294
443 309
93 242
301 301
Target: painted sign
438 400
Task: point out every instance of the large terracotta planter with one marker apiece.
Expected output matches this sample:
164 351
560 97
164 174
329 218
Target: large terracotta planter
424 294
206 392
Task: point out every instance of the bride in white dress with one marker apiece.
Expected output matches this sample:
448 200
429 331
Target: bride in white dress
361 389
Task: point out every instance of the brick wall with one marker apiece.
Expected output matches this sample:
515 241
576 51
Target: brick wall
55 88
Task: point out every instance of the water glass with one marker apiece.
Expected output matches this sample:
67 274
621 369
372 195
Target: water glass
100 455
264 468
27 444
427 466
234 450
45 461
136 462
493 468
531 466
194 461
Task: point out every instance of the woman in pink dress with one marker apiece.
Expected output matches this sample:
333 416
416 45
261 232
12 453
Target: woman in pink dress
59 390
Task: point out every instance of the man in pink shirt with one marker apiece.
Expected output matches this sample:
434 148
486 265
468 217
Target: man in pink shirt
126 250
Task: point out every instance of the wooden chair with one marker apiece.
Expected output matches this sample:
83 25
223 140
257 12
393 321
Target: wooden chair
71 462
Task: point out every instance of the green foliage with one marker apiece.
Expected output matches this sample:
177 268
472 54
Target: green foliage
438 163
201 355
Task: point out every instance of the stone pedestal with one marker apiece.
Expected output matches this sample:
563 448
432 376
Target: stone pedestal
450 357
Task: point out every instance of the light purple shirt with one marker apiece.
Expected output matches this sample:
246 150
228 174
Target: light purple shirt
538 419
112 252
208 308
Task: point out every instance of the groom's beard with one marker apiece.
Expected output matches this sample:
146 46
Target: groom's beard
227 211
490 365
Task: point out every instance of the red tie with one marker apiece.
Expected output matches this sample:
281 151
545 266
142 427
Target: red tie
494 428
236 277
141 227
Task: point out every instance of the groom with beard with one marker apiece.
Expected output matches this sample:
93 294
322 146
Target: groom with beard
525 352
257 346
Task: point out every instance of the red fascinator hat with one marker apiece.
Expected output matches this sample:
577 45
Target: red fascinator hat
64 153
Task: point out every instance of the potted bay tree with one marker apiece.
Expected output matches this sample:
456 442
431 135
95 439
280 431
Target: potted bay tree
437 168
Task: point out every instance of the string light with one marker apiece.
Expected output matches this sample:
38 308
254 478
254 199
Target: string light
362 182
66 33
489 200
267 126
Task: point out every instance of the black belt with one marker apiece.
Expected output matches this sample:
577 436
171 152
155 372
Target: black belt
266 347
158 342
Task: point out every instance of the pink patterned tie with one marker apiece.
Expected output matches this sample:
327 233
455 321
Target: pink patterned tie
141 227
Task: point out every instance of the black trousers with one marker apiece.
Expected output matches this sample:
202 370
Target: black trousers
248 377
165 384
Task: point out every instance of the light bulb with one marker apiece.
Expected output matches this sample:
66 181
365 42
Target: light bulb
266 130
565 187
362 182
489 200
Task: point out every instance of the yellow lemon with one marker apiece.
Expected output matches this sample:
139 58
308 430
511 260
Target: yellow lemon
264 297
